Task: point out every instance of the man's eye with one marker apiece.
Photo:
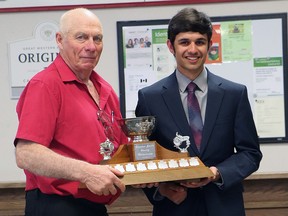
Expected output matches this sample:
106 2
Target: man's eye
98 38
200 43
80 37
184 43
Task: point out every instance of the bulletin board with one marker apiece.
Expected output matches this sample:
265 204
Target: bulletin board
247 49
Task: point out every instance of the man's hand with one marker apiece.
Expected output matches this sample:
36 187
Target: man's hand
173 191
216 173
103 180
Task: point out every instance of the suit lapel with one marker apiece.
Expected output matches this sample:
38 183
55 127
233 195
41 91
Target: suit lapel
214 100
173 103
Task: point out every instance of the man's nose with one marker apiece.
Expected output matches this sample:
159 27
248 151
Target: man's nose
90 44
192 47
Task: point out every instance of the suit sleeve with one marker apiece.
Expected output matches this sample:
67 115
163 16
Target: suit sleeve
141 108
247 156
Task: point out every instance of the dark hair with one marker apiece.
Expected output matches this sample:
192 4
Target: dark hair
189 19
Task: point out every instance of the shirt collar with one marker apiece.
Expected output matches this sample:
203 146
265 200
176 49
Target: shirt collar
200 81
67 74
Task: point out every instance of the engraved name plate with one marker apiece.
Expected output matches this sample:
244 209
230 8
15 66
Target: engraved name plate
145 151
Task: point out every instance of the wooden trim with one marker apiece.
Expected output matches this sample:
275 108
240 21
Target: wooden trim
265 195
128 209
255 176
114 5
12 185
266 204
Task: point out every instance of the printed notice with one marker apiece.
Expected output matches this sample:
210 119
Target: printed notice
269 108
269 116
236 41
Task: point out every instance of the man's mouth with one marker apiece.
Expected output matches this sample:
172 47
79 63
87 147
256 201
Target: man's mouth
192 58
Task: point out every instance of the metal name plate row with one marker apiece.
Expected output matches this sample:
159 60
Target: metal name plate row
155 165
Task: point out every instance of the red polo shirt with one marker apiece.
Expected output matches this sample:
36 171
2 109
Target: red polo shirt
57 111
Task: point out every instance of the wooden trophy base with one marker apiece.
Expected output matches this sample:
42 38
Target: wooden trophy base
169 166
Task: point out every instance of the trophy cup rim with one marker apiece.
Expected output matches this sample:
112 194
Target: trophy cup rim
138 119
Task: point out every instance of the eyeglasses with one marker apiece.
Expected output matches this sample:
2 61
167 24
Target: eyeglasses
107 122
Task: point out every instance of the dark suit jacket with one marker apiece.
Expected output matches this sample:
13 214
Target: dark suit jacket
229 142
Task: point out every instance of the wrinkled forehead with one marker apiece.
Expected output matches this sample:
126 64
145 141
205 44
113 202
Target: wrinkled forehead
80 20
90 28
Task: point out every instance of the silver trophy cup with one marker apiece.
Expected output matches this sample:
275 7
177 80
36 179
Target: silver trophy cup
138 130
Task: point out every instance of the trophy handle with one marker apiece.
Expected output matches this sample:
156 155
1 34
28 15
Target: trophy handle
120 156
163 153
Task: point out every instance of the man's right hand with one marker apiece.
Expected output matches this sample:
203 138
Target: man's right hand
103 180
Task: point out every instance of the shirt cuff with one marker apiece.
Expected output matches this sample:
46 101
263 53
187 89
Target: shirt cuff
157 196
220 181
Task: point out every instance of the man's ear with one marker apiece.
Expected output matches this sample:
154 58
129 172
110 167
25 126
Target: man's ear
59 40
170 47
210 44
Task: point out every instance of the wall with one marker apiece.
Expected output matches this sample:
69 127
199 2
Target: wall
16 26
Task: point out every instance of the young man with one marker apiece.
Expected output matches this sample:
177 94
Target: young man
66 113
226 140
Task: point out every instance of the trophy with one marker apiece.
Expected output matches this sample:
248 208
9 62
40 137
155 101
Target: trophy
145 161
138 129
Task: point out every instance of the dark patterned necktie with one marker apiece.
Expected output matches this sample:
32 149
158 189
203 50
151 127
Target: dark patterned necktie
194 112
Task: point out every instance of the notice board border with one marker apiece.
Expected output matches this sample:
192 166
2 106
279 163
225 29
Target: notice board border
282 16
